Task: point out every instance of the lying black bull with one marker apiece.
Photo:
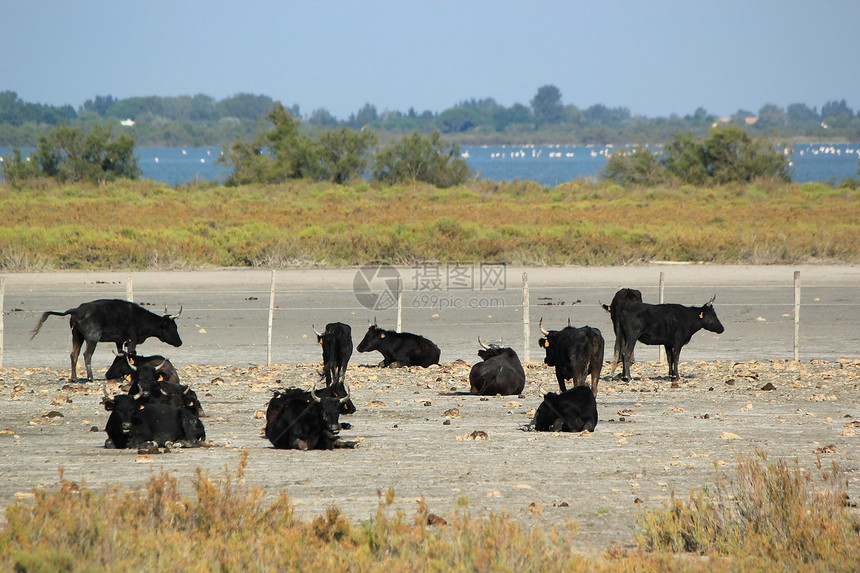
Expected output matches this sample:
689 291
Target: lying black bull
575 353
671 325
619 301
150 386
400 348
112 320
300 420
500 372
121 366
336 342
136 424
573 410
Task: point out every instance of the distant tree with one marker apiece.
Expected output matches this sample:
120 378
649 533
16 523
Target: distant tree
367 114
636 167
517 114
731 155
343 154
322 118
546 105
836 114
421 158
246 106
685 159
728 155
600 114
459 119
16 170
70 154
278 154
99 105
771 115
203 108
800 113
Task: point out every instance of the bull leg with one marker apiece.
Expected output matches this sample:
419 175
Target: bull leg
560 379
596 364
88 358
673 361
77 342
626 360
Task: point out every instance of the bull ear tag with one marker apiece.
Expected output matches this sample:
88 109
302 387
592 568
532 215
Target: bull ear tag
141 407
546 344
701 315
381 336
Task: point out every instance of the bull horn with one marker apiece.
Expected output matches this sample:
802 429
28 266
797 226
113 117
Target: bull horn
314 395
568 320
104 389
130 363
711 302
173 316
542 391
544 331
345 399
315 331
484 346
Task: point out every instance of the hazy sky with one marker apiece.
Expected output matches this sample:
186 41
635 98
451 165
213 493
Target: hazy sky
655 57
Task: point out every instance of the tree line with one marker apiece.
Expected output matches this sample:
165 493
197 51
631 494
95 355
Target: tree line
201 120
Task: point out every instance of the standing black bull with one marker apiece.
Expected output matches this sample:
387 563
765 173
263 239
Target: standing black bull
112 320
300 420
336 342
619 301
500 372
671 325
573 410
136 424
400 348
575 353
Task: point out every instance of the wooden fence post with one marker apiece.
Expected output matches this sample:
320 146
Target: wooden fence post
271 317
661 354
796 315
526 326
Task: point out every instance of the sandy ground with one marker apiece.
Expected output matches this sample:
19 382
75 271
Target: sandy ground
654 438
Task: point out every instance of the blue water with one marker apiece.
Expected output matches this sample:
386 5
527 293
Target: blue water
545 164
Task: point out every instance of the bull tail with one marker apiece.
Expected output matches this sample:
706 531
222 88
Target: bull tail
45 316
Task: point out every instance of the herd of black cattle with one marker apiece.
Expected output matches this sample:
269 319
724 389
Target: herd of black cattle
159 411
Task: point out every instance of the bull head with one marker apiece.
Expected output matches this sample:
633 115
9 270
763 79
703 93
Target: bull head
318 399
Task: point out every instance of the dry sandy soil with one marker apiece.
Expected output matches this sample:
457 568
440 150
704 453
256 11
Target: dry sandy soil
654 438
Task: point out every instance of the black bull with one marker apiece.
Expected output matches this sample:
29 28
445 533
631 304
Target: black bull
575 353
112 320
671 325
400 348
573 410
619 301
301 420
134 424
500 372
